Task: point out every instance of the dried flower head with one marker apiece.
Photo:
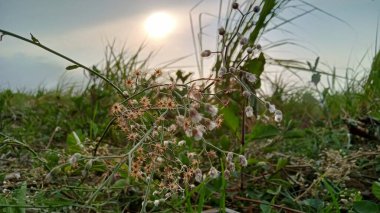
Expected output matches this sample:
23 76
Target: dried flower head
129 83
157 72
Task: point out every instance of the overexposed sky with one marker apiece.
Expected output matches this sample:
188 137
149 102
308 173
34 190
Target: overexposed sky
82 29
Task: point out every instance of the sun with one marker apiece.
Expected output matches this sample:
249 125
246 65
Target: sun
159 25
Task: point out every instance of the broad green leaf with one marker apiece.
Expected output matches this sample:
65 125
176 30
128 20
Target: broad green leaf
120 184
73 144
230 118
281 163
315 203
261 131
366 206
376 189
20 197
256 66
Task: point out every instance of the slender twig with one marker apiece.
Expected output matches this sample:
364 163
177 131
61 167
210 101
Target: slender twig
37 43
272 205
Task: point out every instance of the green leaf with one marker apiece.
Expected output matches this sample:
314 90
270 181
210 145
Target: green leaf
295 133
366 206
376 189
120 184
21 198
72 67
315 203
261 131
73 145
230 118
256 66
281 163
34 39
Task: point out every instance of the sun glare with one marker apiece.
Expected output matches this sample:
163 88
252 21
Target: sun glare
159 25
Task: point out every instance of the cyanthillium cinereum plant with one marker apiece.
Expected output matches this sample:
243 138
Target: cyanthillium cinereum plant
172 125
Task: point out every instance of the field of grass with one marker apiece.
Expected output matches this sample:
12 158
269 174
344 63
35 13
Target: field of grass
138 140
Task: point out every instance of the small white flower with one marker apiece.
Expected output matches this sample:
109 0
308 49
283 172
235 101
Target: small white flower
231 166
251 77
248 111
198 175
246 93
271 107
156 202
230 156
166 143
181 143
159 159
210 125
227 173
278 116
191 154
213 173
243 161
172 128
213 110
198 132
195 115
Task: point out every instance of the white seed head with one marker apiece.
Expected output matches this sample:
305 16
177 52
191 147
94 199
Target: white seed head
198 175
181 143
213 173
249 111
278 116
243 161
213 110
156 202
251 77
230 156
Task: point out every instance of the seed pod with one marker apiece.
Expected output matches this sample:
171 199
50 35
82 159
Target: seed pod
206 53
235 5
221 31
256 9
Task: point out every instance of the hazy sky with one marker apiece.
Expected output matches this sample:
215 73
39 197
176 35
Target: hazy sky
82 29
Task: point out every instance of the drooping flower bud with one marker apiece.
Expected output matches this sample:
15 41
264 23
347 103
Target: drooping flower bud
221 31
256 9
235 5
206 53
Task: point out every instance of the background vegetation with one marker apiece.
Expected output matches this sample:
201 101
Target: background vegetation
64 150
